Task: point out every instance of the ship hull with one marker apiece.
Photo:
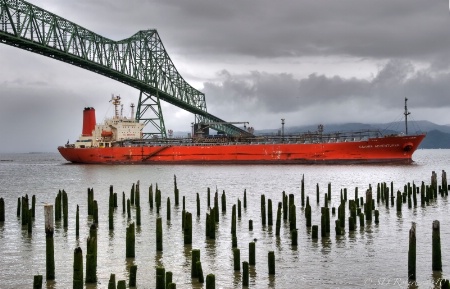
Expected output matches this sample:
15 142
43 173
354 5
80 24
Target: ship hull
373 150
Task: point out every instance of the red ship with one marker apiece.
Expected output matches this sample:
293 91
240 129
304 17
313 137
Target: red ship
119 141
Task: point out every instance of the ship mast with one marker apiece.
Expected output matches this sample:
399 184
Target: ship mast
406 113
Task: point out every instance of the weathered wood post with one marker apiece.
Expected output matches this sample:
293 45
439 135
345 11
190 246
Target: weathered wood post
208 197
292 217
245 198
133 271
294 237
201 278
245 274
233 220
91 255
278 224
160 278
175 190
121 284
150 196
123 203
78 281
436 249
188 229
130 241
168 209
159 235
77 222
302 190
37 282
224 202
250 225
412 253
112 281
239 209
269 213
361 220
2 210
237 259
169 279
271 257
33 206
252 253
129 208
49 242
308 213
210 281
95 205
65 201
315 232
198 205
132 194
263 209
18 207
195 257
317 193
377 213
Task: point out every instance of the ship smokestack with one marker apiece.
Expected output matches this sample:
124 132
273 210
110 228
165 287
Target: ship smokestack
88 121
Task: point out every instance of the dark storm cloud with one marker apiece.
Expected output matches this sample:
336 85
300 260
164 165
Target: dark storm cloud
265 28
282 93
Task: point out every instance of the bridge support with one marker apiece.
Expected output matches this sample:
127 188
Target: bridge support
150 105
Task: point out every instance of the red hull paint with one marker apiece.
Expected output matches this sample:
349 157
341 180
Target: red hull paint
382 149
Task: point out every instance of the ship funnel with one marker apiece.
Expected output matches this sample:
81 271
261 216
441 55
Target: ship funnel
88 121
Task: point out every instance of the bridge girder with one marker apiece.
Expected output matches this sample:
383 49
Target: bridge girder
140 61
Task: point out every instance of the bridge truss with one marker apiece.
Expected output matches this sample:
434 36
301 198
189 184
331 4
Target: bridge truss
140 61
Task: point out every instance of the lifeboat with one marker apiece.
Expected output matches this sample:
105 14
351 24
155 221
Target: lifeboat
106 133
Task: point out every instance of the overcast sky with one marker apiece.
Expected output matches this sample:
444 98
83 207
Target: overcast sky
309 62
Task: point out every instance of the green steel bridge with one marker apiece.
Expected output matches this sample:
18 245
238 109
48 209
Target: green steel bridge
139 61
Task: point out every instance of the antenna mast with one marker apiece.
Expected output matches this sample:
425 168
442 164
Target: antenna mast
406 113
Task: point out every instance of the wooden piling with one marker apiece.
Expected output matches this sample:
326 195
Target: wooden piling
285 206
271 257
201 278
263 209
78 281
188 229
317 193
195 257
112 281
110 217
208 198
292 218
18 207
49 242
250 225
224 202
2 210
176 191
169 279
77 222
377 213
436 249
123 203
168 209
130 241
30 221
278 222
150 196
245 198
33 206
303 190
160 278
412 253
338 228
269 213
37 282
236 259
239 209
159 235
121 284
361 220
95 212
233 221
91 255
315 232
198 205
252 253
245 275
129 208
210 281
133 271
294 237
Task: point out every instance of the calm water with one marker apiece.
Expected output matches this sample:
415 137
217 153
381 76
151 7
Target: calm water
373 257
